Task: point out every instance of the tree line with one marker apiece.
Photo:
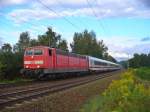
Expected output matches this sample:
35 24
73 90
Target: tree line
140 60
11 57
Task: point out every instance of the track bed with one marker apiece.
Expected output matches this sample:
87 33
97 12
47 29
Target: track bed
11 96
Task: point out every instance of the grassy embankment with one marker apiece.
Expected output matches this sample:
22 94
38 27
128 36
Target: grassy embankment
125 95
143 73
16 80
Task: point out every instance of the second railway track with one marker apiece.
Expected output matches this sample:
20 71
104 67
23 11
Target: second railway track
9 98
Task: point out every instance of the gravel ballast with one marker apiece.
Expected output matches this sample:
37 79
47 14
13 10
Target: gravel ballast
68 100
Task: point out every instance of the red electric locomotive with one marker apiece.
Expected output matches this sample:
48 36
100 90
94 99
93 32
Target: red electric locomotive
41 61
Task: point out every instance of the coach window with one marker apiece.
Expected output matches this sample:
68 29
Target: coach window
38 52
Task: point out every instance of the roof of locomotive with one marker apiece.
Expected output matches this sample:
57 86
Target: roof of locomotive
90 57
39 47
56 49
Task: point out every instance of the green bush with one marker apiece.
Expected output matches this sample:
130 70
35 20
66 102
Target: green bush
10 65
124 95
143 73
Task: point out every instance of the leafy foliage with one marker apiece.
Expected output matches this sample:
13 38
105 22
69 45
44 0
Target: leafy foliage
24 41
142 60
124 64
2 68
11 63
86 43
63 45
125 95
6 47
52 39
143 73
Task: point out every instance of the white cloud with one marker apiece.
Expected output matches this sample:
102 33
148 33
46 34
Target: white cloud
140 48
9 37
12 2
1 41
123 48
103 9
120 55
24 15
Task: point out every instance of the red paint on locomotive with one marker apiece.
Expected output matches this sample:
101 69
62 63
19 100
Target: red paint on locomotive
41 57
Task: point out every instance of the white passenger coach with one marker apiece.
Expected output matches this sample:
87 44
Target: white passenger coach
96 64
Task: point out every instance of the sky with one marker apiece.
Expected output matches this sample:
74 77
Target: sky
123 25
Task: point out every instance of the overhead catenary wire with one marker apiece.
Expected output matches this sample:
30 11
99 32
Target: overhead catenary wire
106 25
51 10
31 24
94 13
61 4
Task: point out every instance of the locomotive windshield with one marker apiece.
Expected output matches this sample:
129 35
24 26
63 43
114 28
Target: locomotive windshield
34 52
29 52
38 52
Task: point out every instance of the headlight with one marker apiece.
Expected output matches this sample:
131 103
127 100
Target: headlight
39 62
38 66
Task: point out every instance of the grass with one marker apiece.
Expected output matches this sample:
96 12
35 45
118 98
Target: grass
124 95
16 80
143 73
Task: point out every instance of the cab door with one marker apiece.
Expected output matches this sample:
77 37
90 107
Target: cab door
50 59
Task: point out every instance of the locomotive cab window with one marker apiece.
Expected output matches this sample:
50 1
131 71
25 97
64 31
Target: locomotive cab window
38 52
29 52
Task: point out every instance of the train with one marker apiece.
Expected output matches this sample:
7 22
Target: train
42 62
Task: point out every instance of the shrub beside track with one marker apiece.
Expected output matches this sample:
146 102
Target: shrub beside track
125 95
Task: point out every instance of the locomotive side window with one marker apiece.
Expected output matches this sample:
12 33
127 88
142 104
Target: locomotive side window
38 52
50 52
29 52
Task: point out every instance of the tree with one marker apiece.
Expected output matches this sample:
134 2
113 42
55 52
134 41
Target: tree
6 47
2 68
87 44
33 42
140 60
63 45
148 59
24 42
50 38
10 64
124 64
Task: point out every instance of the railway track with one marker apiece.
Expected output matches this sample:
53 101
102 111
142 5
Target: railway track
14 96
